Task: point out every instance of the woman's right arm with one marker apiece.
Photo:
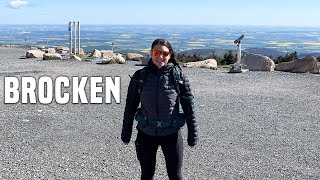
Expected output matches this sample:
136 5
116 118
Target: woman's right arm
132 104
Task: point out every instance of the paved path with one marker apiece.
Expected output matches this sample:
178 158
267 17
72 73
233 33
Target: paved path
256 125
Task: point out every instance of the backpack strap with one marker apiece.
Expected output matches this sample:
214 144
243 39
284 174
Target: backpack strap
177 78
143 77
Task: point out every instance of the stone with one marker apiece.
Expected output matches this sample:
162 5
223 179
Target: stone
74 57
51 50
209 64
62 48
134 57
52 56
304 65
307 64
110 57
96 54
256 62
34 54
82 53
285 66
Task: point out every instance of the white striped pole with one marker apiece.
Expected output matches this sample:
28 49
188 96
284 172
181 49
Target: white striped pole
78 37
70 38
75 37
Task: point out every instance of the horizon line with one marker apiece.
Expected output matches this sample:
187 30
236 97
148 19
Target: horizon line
119 24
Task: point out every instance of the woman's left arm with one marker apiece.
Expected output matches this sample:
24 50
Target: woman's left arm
187 104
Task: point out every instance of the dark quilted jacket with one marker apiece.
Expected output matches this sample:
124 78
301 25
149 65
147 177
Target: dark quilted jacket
160 101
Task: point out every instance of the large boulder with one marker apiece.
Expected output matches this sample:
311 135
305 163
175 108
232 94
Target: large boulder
307 64
256 62
81 53
62 49
209 64
34 54
52 56
134 57
75 57
285 66
110 57
96 54
51 50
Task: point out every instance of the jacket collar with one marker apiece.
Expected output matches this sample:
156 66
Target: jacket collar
153 68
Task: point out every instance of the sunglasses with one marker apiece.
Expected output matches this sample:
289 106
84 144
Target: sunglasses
158 53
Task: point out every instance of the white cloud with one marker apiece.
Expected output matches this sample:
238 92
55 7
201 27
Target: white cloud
15 4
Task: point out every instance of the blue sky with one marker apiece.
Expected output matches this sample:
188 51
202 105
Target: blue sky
187 12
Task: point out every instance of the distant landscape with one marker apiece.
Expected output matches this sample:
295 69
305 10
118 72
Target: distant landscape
266 40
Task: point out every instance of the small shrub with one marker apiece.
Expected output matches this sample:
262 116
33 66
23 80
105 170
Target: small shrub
188 58
228 58
287 58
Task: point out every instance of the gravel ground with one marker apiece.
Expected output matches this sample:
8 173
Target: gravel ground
255 125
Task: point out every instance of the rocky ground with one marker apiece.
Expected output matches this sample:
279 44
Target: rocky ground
255 125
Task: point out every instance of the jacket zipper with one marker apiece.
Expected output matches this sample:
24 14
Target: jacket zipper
157 102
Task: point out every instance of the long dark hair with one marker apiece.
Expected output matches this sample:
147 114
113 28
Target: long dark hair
165 43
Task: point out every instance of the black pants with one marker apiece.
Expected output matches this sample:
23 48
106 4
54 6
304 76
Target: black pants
172 148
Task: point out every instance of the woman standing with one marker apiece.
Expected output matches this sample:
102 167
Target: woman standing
160 87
